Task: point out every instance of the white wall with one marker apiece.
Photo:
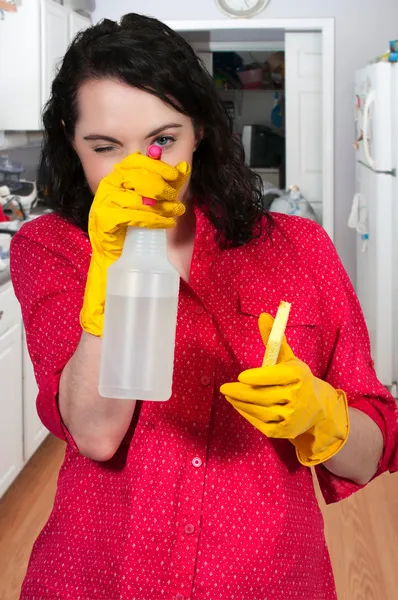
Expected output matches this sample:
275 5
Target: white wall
363 30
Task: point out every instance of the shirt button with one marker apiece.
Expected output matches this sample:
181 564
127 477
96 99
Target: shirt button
197 462
189 529
205 381
199 310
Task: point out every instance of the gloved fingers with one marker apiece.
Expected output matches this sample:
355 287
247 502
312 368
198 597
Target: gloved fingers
184 171
286 353
265 323
148 184
151 220
108 197
139 161
169 209
273 423
267 416
111 221
122 206
129 199
259 396
283 374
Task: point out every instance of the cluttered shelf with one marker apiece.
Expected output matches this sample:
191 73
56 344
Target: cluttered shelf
249 71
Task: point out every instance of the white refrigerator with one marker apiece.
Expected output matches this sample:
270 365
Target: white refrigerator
376 209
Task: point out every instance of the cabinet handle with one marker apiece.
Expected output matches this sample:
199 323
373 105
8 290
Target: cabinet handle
1 314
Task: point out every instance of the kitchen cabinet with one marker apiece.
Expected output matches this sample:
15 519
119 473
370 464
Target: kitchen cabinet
11 419
32 43
54 42
21 431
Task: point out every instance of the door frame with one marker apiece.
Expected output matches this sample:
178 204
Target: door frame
327 28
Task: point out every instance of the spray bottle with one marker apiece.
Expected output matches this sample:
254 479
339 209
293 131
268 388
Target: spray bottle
140 317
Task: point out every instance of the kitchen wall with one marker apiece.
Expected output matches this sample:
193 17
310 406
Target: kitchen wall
363 30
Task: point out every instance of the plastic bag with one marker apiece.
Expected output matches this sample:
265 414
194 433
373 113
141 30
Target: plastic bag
290 202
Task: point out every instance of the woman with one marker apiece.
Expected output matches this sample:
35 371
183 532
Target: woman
207 495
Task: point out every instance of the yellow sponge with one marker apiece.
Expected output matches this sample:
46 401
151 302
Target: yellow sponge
276 336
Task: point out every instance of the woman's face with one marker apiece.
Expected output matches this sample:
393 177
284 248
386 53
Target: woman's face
116 120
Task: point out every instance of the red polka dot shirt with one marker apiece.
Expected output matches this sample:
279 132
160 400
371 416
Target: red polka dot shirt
197 503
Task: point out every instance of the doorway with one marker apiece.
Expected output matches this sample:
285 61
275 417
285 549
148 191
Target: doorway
307 100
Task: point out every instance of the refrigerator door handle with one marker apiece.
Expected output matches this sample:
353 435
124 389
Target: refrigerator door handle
366 114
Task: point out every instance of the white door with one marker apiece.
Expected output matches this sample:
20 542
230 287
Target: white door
34 430
77 23
55 41
20 92
304 140
11 460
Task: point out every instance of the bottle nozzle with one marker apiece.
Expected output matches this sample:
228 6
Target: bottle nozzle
154 152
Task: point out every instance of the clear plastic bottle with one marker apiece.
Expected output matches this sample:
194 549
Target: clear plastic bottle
140 320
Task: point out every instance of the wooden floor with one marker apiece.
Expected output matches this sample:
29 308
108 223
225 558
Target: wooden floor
362 532
24 511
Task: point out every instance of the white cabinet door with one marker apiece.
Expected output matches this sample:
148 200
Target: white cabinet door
20 79
11 459
34 430
304 145
32 43
77 23
55 41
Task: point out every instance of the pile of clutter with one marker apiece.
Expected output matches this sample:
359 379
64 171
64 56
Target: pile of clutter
392 54
17 196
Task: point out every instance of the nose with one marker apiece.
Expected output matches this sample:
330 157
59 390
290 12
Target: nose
148 150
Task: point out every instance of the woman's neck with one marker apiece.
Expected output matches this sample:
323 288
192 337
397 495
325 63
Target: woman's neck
180 242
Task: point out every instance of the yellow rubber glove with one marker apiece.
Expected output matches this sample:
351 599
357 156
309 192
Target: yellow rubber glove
117 205
287 401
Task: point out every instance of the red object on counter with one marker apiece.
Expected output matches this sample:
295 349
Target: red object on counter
3 218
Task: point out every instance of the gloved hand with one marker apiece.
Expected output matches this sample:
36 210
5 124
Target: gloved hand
117 205
287 401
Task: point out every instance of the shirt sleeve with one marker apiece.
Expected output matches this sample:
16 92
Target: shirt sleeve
349 365
50 290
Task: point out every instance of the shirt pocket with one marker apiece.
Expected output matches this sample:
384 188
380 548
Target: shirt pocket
303 331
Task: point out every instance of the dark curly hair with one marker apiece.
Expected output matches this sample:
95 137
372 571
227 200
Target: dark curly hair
148 55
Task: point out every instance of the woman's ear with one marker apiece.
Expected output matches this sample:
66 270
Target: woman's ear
71 140
199 137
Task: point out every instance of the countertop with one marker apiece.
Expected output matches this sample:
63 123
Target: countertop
37 211
5 276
